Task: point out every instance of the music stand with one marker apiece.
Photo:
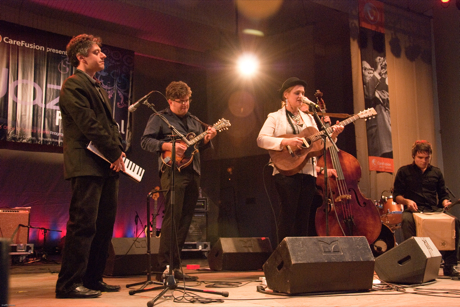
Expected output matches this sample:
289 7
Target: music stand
169 281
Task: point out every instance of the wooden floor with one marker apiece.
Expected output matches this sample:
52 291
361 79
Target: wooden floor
33 285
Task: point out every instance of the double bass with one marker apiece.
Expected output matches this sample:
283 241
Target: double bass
348 211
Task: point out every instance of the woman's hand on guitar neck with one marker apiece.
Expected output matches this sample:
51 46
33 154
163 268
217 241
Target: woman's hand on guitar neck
337 130
294 142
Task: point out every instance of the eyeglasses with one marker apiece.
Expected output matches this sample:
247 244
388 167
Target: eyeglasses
183 101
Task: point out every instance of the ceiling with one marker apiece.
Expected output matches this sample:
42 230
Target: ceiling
198 25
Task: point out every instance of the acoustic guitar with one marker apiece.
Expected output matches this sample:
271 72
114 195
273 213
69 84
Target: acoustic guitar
290 161
191 143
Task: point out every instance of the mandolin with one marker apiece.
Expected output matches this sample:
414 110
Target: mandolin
290 161
191 142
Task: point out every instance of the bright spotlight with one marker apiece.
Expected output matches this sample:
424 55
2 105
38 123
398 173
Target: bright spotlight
248 65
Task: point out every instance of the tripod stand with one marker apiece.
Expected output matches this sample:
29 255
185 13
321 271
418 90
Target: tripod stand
153 194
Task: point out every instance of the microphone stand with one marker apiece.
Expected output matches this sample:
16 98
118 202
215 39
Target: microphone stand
325 136
169 281
44 256
149 253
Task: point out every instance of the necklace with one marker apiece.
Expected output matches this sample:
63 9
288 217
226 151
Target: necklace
298 119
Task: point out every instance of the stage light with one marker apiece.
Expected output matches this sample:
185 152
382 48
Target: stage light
248 65
253 32
445 3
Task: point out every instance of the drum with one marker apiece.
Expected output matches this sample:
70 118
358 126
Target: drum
384 242
391 212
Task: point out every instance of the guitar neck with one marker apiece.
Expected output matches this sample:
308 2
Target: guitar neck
196 139
317 136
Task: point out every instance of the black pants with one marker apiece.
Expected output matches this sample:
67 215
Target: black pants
92 215
186 184
296 195
408 231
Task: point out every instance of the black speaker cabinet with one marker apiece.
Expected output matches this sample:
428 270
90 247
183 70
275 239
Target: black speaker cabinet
239 254
414 261
319 264
128 256
4 271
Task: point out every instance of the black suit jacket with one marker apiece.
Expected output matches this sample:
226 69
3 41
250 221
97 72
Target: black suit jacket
86 116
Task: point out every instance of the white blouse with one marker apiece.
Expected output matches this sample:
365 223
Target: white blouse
277 124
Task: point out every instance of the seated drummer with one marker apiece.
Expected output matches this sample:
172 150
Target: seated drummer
420 188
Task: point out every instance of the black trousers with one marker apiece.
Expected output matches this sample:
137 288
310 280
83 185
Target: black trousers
186 184
296 195
409 230
92 215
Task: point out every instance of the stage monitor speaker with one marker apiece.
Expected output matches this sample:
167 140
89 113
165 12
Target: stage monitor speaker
320 264
239 254
4 271
414 261
128 256
10 218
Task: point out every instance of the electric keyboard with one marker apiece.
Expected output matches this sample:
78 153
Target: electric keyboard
131 169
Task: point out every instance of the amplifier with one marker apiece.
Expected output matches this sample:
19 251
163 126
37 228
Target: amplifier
10 219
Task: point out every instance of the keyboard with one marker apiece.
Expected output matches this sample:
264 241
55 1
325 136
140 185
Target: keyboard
131 169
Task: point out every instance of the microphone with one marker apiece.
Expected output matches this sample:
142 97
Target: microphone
310 103
134 106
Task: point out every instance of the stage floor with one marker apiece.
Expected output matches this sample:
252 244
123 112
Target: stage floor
32 285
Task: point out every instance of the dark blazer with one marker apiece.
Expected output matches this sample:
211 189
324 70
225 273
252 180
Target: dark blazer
87 117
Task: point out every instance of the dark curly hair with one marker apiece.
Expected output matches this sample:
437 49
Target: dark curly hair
80 44
421 146
177 90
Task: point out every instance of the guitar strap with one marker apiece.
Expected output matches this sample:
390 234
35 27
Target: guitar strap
289 119
198 120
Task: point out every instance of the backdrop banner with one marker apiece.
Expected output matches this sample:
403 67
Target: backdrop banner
375 83
33 66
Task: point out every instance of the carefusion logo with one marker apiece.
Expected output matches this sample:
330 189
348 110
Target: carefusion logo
22 43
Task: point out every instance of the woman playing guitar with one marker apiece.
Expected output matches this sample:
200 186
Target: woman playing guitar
280 131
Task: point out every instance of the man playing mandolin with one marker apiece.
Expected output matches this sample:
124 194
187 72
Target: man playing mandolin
157 138
296 190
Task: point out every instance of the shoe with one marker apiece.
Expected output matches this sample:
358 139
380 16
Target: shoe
449 270
161 276
182 276
78 292
103 287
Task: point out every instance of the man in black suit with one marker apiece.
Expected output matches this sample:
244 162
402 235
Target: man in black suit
86 117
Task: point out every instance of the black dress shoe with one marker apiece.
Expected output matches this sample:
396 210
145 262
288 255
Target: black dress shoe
449 270
78 292
182 276
103 287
